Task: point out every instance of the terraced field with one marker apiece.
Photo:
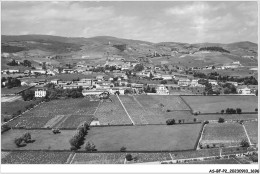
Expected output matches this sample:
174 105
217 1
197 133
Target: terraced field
112 113
216 161
35 157
229 134
252 131
99 158
54 113
214 104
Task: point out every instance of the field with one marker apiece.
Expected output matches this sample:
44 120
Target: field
48 113
145 138
149 157
10 108
252 131
223 133
13 90
112 113
195 153
216 161
227 117
99 158
44 140
157 110
214 104
35 157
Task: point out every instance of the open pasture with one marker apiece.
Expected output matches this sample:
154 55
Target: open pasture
214 104
99 158
149 157
35 157
229 134
13 90
252 131
145 138
112 113
44 140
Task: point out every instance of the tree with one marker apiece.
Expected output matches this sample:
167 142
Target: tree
129 157
44 65
123 149
244 143
89 146
239 110
138 67
256 109
194 119
19 142
27 137
179 121
208 88
163 82
222 111
170 122
27 63
221 120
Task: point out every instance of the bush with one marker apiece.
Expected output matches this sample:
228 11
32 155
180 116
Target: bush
55 131
244 143
222 111
179 121
73 148
89 146
5 128
221 120
170 122
129 157
19 142
194 119
239 110
206 122
256 110
26 137
123 149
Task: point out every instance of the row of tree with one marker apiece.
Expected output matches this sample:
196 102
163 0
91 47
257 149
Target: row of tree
232 111
218 49
10 82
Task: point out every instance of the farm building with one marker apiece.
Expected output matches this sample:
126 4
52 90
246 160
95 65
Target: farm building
184 82
243 90
92 92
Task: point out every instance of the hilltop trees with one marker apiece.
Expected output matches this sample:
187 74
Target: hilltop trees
218 49
138 67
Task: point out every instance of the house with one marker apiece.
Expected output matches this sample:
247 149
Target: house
167 77
184 82
162 90
100 78
38 71
55 81
213 82
87 82
194 83
233 83
243 90
67 71
40 93
92 92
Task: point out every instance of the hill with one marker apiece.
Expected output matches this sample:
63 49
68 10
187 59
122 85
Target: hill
74 48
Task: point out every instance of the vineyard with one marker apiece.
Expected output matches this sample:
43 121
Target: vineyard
252 131
56 112
112 113
35 157
229 134
99 158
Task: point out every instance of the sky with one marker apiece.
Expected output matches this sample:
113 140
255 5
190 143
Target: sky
169 21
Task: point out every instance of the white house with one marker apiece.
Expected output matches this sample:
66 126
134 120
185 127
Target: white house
40 93
243 90
162 90
167 77
213 82
184 82
194 83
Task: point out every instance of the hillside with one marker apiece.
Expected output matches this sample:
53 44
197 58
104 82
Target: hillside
103 46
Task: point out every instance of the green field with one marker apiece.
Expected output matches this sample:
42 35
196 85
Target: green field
35 157
214 104
147 138
223 133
